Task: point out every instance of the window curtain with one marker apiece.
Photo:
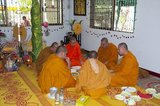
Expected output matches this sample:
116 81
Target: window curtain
122 3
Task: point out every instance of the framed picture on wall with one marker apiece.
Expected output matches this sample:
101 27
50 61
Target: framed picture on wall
80 7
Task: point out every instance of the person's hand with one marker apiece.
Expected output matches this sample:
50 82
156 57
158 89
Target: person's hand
68 61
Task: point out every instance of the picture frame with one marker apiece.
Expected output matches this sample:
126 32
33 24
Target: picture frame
80 7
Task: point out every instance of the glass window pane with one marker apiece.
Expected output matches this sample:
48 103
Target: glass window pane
52 11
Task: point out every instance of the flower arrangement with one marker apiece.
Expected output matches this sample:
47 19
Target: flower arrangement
76 27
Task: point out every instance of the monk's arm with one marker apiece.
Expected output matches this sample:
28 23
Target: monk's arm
113 58
125 67
81 79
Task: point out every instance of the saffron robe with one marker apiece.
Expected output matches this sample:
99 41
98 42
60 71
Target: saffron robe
109 55
74 54
55 73
42 57
92 82
126 72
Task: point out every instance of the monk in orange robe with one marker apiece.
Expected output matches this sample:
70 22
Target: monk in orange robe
74 52
108 53
94 77
43 56
55 72
126 72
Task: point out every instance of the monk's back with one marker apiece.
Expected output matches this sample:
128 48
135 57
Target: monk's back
43 56
93 84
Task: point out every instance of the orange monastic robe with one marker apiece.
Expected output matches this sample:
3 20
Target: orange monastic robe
91 82
109 55
55 73
74 54
126 73
42 57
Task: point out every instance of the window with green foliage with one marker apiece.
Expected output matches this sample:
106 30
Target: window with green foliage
116 15
52 11
12 11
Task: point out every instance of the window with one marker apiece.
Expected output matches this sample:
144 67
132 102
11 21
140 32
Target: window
52 11
116 15
12 11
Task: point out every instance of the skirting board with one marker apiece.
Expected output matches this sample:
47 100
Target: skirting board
152 73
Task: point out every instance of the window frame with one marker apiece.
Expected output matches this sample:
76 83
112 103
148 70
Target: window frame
5 17
112 22
52 24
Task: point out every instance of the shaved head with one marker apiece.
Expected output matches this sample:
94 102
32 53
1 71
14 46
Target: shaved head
54 44
122 49
93 54
61 49
73 40
124 45
104 42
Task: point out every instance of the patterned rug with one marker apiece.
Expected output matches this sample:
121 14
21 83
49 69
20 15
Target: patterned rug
21 89
15 92
150 82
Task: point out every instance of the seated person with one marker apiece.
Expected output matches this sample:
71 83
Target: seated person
94 77
55 72
108 53
126 72
74 52
25 21
43 56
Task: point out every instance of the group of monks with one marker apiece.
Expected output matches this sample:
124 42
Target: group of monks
100 70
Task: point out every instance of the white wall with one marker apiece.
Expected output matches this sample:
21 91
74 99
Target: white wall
56 33
146 36
146 41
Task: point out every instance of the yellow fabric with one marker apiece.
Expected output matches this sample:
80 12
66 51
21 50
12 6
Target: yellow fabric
55 73
93 84
42 57
126 73
109 55
15 92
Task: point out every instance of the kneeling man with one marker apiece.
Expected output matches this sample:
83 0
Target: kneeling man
126 72
55 72
94 77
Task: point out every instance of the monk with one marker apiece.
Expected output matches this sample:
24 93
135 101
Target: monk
74 52
108 53
126 72
43 56
55 72
94 77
